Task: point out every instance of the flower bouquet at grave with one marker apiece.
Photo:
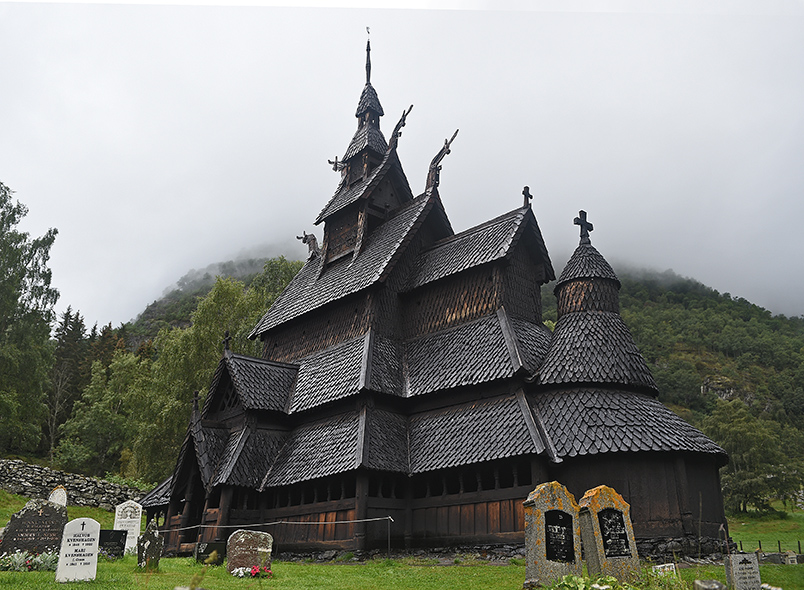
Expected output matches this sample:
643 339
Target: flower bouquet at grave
22 561
254 571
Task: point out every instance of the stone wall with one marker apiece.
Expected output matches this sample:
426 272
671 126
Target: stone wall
34 481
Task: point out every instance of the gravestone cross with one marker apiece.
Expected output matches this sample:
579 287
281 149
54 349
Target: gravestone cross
742 571
78 558
128 517
608 534
247 549
552 535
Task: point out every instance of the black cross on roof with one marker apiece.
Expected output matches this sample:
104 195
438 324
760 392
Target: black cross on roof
586 227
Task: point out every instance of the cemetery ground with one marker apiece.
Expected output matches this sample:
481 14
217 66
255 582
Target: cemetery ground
464 572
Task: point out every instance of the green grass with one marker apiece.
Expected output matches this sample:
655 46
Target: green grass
374 575
752 528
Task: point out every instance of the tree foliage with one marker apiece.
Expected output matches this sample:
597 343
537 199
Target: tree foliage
26 310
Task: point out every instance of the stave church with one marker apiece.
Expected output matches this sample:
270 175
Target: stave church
406 372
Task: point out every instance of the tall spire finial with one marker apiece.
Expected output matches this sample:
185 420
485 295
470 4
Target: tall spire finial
368 57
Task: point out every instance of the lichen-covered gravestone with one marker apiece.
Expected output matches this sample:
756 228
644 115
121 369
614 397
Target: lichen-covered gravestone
742 571
608 534
247 549
37 528
552 535
58 496
78 558
149 547
128 517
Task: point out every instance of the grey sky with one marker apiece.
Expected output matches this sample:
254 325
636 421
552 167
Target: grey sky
162 138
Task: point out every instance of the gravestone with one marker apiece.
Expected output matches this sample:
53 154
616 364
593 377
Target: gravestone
247 549
608 534
149 547
742 571
790 558
665 569
37 528
552 535
113 542
58 496
708 585
128 517
78 558
204 550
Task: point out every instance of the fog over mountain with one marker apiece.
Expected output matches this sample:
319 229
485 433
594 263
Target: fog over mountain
159 138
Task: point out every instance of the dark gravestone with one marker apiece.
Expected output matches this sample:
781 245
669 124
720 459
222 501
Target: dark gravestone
149 547
37 528
614 533
112 543
608 535
552 535
559 538
204 550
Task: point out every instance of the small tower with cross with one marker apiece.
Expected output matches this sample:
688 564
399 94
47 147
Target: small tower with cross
586 227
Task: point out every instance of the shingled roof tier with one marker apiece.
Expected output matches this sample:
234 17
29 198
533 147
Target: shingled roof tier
369 101
589 421
348 193
478 245
260 384
247 456
586 263
159 496
311 289
471 433
595 347
317 449
367 136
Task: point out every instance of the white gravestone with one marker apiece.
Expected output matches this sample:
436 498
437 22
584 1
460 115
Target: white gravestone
128 517
58 496
742 571
78 558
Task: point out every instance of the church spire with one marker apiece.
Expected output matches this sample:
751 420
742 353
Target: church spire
368 60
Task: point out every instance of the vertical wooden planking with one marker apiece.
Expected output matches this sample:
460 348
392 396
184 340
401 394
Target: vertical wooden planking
507 516
468 519
442 521
418 519
481 519
494 517
519 515
431 521
454 520
329 528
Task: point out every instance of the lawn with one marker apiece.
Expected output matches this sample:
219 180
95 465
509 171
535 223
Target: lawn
752 529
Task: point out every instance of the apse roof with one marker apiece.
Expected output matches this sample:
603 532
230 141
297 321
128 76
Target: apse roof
590 421
586 263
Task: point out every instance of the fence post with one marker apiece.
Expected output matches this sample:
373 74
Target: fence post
760 545
780 545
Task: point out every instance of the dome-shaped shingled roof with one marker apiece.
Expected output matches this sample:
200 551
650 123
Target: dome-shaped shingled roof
369 101
586 263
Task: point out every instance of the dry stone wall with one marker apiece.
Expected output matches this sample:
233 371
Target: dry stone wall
34 481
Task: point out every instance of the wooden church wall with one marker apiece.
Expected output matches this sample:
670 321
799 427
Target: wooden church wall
522 296
706 500
337 323
452 300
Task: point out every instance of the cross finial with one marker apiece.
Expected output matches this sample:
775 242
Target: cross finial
196 399
226 340
527 195
586 227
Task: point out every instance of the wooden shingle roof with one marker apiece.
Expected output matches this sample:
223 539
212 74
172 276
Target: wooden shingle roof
586 263
471 433
589 421
310 289
478 245
595 347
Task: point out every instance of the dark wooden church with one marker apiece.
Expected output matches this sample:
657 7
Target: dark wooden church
406 372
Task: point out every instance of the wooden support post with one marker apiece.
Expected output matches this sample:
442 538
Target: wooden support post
361 509
223 520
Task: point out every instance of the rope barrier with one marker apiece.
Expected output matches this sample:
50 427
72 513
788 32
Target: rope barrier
259 524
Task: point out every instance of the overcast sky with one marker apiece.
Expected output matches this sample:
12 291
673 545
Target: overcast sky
163 138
